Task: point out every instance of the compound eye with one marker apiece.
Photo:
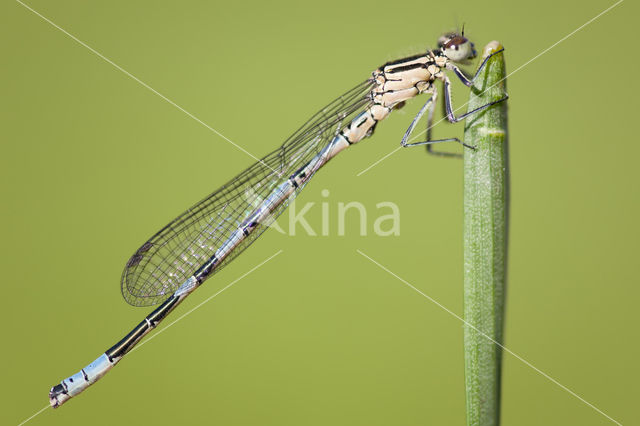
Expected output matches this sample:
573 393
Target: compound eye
455 42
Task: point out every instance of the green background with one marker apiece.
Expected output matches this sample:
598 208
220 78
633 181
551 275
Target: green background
93 163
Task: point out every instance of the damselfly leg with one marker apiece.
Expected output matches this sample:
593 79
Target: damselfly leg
430 107
449 110
462 76
469 83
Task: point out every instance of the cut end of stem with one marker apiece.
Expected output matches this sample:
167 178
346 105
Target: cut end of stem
490 48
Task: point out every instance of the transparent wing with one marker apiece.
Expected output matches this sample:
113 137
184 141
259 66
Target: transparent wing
171 256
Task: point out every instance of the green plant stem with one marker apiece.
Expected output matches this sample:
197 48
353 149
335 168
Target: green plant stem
485 241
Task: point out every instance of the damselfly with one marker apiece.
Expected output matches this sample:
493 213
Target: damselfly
205 238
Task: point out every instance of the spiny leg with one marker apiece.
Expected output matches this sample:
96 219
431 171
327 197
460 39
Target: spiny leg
447 103
427 105
462 76
430 106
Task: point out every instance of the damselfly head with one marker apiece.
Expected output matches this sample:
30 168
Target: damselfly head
457 47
